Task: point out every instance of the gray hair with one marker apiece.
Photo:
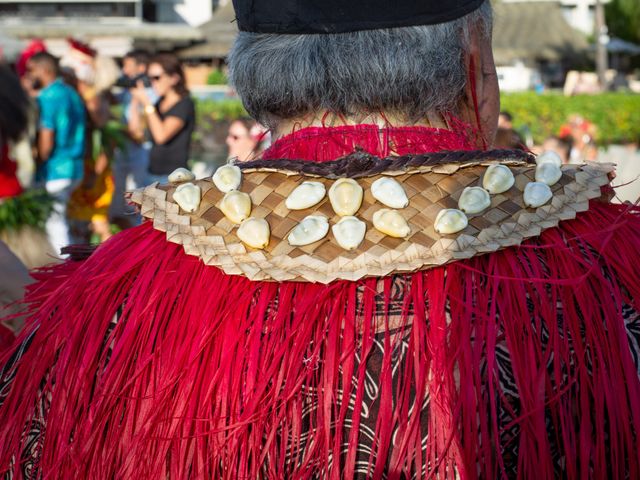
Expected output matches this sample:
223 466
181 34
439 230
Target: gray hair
409 70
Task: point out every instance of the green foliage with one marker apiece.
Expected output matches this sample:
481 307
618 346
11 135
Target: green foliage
219 109
617 115
217 77
108 138
623 19
32 208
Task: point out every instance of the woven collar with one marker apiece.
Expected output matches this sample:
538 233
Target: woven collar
432 182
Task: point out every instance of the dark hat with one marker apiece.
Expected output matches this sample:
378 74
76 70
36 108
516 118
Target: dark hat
337 16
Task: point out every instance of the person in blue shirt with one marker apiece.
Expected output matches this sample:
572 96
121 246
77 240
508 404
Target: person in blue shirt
61 141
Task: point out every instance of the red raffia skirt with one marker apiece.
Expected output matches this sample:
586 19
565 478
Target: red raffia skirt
143 363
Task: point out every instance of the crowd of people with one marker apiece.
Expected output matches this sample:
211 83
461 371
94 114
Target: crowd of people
574 142
66 138
86 131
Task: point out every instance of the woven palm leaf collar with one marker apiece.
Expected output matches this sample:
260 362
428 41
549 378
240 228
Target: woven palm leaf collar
395 214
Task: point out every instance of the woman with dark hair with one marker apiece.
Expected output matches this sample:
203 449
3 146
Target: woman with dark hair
22 214
14 105
170 120
20 242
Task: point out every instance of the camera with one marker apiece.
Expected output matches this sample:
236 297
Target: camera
129 82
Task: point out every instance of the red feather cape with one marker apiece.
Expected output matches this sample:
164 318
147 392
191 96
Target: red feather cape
204 374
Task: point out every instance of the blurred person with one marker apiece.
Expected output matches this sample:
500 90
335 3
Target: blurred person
508 138
560 145
21 241
131 163
22 213
244 139
505 120
61 141
22 149
14 104
170 120
80 59
36 45
506 135
581 133
93 76
147 361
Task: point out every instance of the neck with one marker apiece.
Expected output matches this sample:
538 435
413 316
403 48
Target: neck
171 96
382 120
46 81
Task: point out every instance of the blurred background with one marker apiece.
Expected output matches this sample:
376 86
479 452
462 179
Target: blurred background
569 72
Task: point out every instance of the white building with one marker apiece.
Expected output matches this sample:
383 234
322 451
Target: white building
534 44
580 14
112 27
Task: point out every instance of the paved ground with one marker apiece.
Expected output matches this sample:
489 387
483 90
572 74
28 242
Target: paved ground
627 180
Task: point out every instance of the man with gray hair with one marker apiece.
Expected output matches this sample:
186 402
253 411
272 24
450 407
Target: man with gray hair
379 296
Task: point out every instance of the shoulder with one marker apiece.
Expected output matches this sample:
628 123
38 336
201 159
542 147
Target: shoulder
185 104
58 91
183 109
51 92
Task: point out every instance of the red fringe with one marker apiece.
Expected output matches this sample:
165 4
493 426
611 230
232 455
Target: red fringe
208 375
322 144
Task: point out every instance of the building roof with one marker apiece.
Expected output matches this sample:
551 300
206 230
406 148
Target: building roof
10 47
533 31
526 31
91 29
219 34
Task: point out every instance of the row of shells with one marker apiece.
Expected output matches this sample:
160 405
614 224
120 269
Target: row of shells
345 197
499 179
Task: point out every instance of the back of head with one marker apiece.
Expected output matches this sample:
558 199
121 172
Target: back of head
46 61
14 105
140 57
408 70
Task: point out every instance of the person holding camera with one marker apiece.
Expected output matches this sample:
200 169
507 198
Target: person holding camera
131 161
170 120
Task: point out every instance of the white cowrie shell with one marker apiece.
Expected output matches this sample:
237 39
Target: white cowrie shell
549 156
391 223
227 178
450 220
474 200
311 229
236 206
305 195
180 175
497 179
548 173
536 194
254 232
345 196
188 197
389 192
349 232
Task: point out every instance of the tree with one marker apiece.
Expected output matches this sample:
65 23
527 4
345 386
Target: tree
623 19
